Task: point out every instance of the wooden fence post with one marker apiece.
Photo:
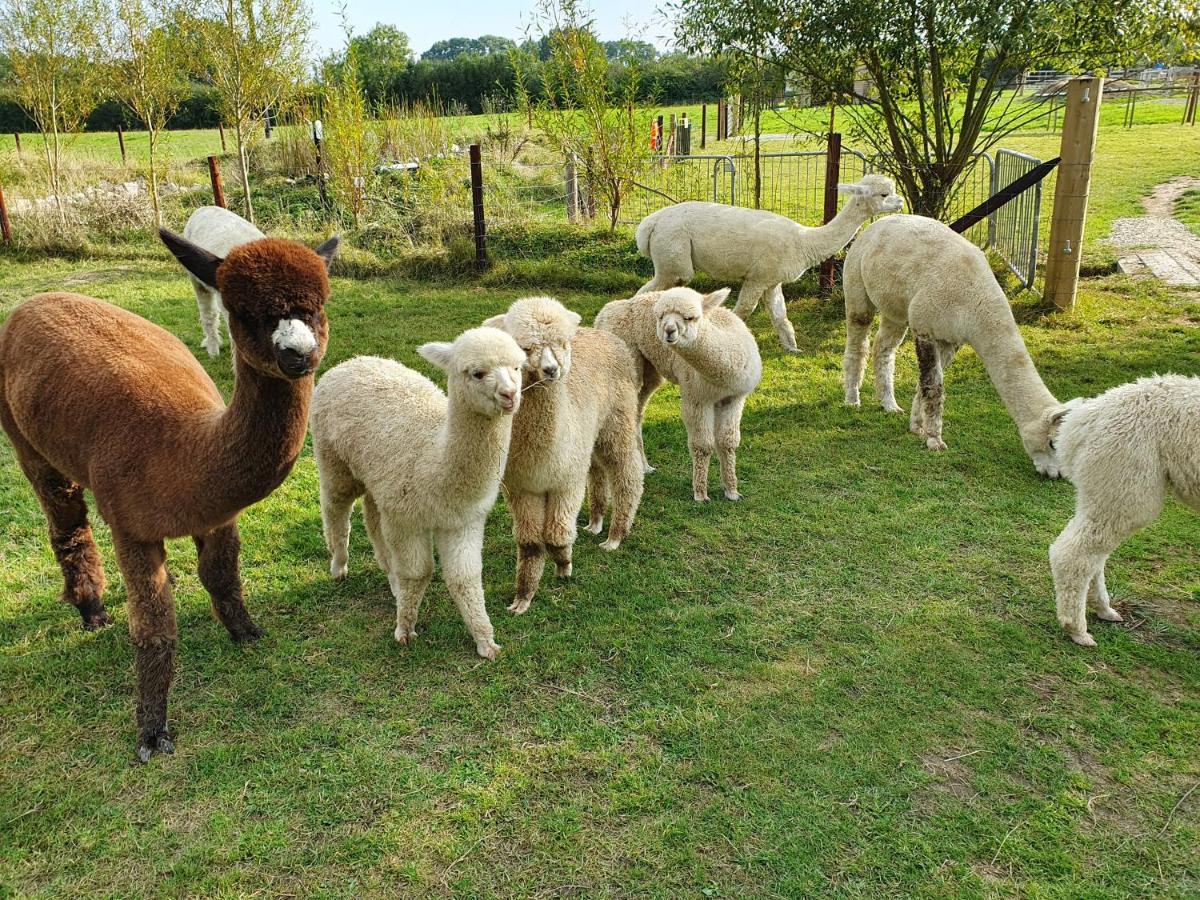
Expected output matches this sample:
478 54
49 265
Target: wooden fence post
17 139
214 174
480 226
1193 100
5 225
703 123
720 120
221 131
572 189
1080 124
121 141
833 169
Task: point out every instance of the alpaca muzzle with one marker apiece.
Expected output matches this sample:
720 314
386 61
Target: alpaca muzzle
294 363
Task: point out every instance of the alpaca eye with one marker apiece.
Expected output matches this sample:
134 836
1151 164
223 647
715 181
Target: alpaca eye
478 376
689 318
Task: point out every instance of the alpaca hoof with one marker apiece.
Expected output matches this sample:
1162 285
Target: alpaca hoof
488 650
594 527
95 617
893 408
1109 615
148 745
701 498
213 347
854 404
611 544
247 634
648 469
520 605
563 570
732 495
935 443
404 636
339 569
791 349
1084 639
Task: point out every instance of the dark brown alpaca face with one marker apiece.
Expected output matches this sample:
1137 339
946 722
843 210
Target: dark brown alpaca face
275 292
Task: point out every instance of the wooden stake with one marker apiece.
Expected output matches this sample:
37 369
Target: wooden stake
221 131
5 225
1081 121
572 189
121 141
833 169
480 226
703 123
214 174
17 139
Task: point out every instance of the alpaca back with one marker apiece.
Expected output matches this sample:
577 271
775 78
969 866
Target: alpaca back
218 230
557 425
1149 425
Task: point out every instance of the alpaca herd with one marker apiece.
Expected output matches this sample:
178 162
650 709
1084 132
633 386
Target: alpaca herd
535 406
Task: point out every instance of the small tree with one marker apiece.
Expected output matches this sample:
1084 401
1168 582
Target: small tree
351 142
148 73
255 55
52 48
580 112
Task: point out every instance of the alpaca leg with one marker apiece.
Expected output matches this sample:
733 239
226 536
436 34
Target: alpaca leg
218 553
70 536
859 316
747 300
886 341
374 530
728 432
929 361
698 420
1099 600
777 306
210 317
462 567
651 382
626 481
562 510
529 517
410 568
338 493
597 492
1076 560
152 627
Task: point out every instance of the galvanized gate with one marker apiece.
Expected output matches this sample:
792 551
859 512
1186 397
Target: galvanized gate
1013 228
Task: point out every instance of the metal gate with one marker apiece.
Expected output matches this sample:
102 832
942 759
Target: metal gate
1013 228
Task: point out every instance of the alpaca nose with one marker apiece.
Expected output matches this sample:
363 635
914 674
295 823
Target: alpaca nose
550 371
292 362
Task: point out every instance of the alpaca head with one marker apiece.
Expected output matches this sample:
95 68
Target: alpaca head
543 328
483 367
873 195
275 293
679 314
1041 436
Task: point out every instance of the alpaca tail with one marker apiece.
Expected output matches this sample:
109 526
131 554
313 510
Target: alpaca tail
644 230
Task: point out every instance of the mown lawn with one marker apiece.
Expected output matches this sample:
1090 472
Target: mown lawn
850 684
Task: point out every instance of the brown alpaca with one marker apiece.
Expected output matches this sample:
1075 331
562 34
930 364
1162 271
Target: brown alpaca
96 397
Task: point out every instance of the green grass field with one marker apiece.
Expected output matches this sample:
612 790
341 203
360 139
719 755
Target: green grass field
850 684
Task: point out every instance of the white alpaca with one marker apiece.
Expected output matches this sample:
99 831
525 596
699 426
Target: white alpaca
426 464
691 340
218 231
577 428
1122 450
764 250
921 275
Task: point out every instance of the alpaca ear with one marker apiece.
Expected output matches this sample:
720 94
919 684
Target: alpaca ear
495 322
201 264
852 189
1056 419
437 353
328 250
573 317
715 299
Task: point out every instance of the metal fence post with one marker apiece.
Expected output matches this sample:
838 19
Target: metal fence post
833 167
572 189
480 227
218 189
703 123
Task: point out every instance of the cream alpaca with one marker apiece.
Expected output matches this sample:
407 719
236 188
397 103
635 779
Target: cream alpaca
920 274
763 249
691 340
218 231
578 412
1122 450
426 464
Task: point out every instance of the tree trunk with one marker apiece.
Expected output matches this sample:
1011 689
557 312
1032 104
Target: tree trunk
247 203
758 153
158 220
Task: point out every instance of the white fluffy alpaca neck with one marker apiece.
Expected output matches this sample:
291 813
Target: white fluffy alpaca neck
709 356
1012 371
812 245
472 452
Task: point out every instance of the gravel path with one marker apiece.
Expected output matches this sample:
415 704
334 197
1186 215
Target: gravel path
1157 242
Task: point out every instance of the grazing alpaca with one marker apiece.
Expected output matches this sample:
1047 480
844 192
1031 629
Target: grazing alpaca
426 464
578 417
921 275
1122 450
218 231
95 397
691 340
763 249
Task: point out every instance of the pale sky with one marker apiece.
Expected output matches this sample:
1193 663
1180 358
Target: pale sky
435 20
